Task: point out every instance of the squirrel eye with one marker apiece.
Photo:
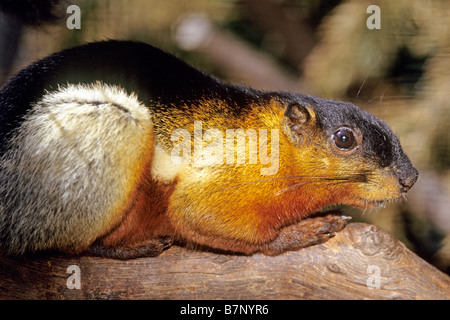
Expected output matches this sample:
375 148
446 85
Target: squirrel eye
344 139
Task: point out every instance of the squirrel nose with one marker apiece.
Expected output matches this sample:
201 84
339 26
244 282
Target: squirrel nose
408 179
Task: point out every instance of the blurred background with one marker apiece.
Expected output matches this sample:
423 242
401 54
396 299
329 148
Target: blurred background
400 72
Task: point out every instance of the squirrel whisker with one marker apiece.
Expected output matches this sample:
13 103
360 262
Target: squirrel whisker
356 177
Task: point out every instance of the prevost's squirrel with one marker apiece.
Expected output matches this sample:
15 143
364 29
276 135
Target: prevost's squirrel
87 159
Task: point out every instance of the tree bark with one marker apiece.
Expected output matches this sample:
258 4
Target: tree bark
360 262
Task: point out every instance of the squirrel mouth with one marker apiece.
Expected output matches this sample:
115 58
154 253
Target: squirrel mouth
364 204
359 203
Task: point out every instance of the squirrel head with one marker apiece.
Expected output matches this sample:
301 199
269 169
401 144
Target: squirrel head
356 157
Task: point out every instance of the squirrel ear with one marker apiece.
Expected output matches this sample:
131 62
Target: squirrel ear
297 114
296 119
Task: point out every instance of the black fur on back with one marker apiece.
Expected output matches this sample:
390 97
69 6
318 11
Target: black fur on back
137 67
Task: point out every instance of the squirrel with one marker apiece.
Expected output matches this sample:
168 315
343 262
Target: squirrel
98 156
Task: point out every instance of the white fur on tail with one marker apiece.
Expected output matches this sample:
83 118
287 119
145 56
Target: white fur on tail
69 165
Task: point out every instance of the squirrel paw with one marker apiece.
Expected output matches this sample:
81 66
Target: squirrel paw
307 232
151 248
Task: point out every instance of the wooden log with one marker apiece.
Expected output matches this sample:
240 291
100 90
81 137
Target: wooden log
361 262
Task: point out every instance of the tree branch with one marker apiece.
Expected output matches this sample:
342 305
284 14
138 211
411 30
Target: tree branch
361 262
